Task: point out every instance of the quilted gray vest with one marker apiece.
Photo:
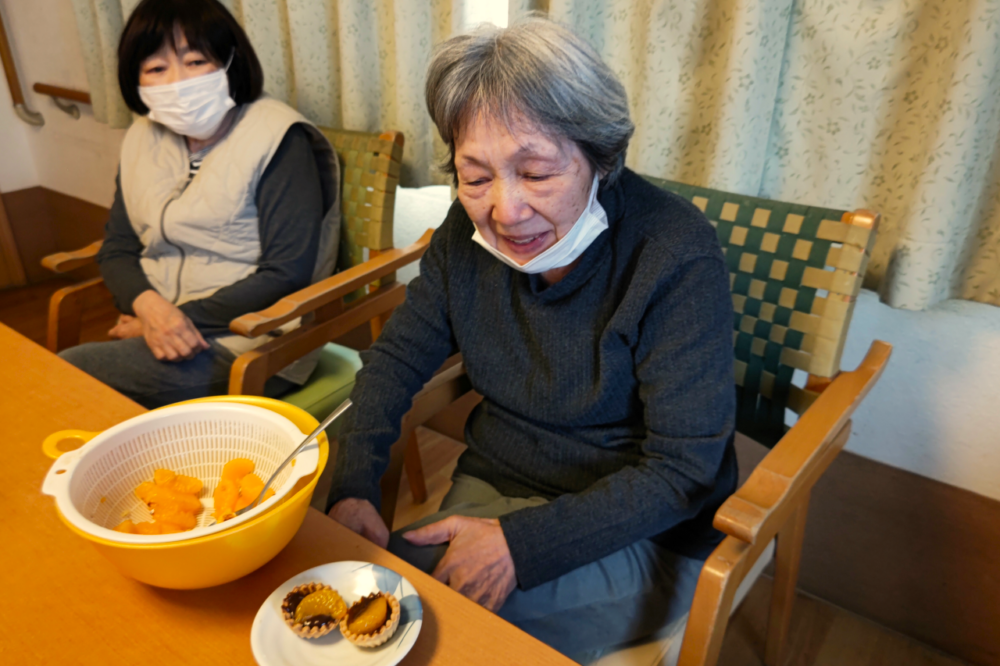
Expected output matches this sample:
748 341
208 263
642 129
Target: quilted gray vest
202 234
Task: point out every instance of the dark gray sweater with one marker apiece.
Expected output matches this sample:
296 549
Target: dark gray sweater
610 392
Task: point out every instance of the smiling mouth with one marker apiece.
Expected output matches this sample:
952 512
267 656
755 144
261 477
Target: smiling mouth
523 240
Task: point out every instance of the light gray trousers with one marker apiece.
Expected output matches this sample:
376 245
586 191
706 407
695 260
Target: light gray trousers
625 596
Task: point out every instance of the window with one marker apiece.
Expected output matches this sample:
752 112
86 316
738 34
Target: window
484 11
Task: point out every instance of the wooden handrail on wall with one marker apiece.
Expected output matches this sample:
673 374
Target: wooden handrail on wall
59 94
62 93
14 83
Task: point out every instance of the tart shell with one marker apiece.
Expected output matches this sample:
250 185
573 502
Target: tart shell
300 628
384 633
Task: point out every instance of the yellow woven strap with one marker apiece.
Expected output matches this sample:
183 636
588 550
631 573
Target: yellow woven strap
370 169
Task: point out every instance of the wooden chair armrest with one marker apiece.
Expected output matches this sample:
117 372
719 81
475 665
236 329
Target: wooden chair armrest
66 309
62 262
329 290
755 512
253 368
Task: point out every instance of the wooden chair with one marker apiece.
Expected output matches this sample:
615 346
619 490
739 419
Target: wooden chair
795 272
364 290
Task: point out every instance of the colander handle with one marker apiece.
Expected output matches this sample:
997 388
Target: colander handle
58 475
50 446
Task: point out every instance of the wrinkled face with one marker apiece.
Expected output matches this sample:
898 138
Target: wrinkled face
523 190
169 66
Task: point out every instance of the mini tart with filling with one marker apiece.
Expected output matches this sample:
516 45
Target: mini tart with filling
313 610
372 620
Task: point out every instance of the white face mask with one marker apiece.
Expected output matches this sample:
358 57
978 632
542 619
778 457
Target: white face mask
194 107
593 220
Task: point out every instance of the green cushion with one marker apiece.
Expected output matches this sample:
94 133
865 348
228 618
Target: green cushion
329 385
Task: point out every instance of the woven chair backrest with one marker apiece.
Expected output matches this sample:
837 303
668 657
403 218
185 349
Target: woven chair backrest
369 167
794 272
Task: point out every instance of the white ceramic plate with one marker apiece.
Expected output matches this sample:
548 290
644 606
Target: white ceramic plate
274 643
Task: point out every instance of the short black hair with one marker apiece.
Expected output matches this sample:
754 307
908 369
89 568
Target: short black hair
209 28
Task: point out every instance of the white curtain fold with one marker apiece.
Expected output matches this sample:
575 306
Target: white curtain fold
891 105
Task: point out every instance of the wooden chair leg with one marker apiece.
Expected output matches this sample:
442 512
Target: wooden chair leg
64 323
713 598
415 469
393 475
378 323
787 557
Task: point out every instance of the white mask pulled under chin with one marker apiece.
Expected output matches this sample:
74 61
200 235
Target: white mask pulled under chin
194 107
593 220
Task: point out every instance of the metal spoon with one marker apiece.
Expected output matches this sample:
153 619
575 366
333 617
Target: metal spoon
308 440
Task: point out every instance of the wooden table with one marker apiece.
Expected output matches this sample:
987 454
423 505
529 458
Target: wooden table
62 603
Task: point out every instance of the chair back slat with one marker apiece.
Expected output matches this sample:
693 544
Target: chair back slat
369 165
794 272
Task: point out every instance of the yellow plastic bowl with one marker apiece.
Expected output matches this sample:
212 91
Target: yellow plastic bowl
224 556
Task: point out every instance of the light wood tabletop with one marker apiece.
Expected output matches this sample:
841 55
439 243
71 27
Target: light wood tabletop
61 602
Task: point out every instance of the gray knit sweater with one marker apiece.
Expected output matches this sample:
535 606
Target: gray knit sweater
609 393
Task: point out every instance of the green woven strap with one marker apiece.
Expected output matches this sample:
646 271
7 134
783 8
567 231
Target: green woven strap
794 273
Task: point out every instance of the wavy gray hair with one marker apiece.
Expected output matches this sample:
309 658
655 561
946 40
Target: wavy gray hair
536 70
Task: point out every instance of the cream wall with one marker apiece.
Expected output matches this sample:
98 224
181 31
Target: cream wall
17 164
935 411
76 157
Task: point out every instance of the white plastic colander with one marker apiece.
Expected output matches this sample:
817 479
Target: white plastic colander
94 485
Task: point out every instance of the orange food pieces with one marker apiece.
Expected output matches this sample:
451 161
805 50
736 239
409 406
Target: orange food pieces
177 517
187 485
237 468
250 487
164 477
238 488
148 528
322 602
173 500
368 615
163 496
226 494
126 527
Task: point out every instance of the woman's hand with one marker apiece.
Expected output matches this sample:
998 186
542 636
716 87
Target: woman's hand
169 333
478 562
360 517
127 327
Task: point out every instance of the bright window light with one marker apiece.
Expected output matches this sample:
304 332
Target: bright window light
485 11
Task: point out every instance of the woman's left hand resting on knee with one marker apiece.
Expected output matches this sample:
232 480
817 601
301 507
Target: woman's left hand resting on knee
478 562
171 336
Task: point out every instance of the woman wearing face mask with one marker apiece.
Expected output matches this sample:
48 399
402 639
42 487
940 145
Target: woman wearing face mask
226 202
593 313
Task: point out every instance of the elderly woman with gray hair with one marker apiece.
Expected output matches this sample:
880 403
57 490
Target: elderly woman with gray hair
593 314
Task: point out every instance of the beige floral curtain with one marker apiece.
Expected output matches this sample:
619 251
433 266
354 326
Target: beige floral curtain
354 64
892 105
